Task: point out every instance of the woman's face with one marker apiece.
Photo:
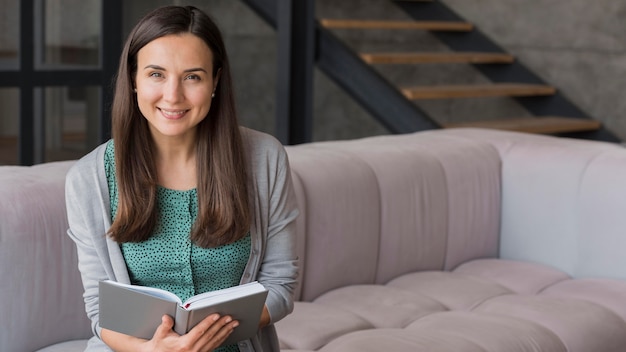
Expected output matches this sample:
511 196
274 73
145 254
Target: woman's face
174 83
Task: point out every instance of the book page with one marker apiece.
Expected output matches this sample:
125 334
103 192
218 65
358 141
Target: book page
214 297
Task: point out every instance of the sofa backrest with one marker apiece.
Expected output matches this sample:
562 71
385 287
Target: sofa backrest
563 202
376 208
40 290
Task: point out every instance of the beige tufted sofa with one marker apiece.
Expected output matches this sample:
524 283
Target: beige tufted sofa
451 240
460 240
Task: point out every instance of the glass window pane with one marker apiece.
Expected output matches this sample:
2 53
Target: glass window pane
70 116
9 125
70 34
9 34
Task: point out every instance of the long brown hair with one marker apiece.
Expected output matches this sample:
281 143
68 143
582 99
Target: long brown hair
223 203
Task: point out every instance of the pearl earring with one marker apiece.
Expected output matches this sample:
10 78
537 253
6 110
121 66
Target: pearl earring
213 95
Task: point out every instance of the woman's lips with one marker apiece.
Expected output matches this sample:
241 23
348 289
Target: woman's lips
172 114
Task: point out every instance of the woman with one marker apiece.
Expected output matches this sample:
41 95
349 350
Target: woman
182 198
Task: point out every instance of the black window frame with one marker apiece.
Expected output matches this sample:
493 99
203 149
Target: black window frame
27 79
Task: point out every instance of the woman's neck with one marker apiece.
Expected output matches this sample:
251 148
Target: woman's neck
176 165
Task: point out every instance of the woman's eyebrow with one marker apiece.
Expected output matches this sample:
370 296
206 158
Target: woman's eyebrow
154 67
157 67
196 69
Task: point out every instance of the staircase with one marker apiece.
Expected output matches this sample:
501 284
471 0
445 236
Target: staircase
398 107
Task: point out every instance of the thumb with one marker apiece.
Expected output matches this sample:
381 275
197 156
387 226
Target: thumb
167 323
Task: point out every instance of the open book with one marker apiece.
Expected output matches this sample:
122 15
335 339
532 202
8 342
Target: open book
137 310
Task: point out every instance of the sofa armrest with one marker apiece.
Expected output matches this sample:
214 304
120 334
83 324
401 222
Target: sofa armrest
41 289
563 201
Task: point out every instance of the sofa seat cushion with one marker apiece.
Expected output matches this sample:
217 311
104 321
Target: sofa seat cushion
381 306
482 305
608 293
349 309
583 326
400 340
454 290
453 331
518 277
68 346
491 332
549 297
323 324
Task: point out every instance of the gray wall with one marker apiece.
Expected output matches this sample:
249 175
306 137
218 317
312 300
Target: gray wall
576 45
573 44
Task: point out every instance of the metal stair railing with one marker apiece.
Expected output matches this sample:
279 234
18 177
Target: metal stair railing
384 101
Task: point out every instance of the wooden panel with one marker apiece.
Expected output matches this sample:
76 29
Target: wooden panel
378 24
8 54
475 91
543 125
426 58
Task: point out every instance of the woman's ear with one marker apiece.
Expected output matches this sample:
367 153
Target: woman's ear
217 78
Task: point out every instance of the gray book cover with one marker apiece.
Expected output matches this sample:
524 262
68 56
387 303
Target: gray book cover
137 310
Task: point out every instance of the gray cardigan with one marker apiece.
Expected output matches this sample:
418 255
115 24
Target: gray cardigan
273 261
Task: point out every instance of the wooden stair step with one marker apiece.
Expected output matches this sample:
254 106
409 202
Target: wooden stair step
444 57
476 91
541 125
382 24
8 53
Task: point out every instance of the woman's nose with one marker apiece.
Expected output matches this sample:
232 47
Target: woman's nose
173 91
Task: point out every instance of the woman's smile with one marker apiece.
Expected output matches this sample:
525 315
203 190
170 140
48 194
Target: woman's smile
173 114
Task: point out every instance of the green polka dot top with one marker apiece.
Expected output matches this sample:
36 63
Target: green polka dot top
169 260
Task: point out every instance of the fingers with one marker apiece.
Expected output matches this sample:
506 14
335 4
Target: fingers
202 328
215 324
214 330
209 334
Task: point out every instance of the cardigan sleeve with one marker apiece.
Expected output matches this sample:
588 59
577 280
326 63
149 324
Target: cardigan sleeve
86 212
276 206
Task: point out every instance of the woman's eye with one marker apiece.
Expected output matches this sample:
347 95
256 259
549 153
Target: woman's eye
193 77
156 74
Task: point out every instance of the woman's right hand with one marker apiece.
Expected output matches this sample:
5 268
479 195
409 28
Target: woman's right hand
206 336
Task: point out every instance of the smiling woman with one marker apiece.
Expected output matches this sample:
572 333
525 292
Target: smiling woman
188 201
174 84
